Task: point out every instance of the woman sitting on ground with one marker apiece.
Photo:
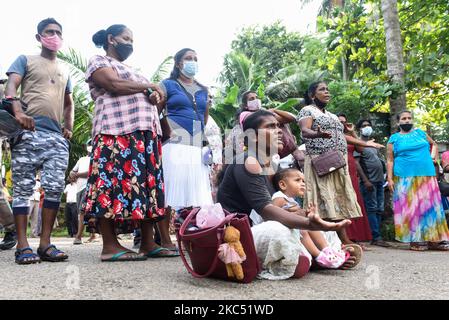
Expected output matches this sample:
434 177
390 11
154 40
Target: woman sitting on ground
246 186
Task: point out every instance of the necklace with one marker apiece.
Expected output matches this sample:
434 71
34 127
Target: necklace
52 75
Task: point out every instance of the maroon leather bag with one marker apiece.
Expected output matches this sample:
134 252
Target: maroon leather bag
328 162
202 248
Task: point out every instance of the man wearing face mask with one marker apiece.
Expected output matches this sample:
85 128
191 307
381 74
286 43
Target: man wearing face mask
371 182
48 123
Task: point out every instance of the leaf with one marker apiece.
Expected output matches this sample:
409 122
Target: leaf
232 95
289 105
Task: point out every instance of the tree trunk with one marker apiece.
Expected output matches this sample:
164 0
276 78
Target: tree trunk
344 68
395 59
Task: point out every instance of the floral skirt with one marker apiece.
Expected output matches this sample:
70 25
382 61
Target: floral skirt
126 180
418 210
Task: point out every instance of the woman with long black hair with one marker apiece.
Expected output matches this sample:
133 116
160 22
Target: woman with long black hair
186 173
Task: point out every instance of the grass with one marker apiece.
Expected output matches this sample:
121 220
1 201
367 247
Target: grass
59 232
387 229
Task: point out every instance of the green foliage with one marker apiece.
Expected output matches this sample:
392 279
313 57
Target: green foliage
84 106
225 107
163 70
242 71
349 52
272 46
356 34
293 81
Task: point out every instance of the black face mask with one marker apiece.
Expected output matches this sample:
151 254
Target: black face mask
406 127
123 50
319 104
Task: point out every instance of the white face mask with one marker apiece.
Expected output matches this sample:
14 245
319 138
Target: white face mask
367 131
190 69
253 105
89 149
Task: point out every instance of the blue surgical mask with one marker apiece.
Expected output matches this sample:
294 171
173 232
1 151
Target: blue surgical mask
367 131
190 69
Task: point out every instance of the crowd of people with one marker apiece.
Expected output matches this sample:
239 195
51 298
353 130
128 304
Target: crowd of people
155 151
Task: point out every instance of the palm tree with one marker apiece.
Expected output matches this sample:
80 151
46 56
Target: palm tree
395 59
327 6
163 70
242 71
84 106
239 75
293 81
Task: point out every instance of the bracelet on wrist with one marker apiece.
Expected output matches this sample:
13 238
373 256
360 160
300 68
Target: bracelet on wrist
11 98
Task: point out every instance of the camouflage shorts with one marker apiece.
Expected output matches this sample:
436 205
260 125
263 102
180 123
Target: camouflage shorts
47 153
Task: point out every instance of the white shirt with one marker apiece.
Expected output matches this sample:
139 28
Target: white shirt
291 201
71 190
257 218
82 166
36 192
213 135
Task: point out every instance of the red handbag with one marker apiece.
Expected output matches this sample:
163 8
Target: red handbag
202 248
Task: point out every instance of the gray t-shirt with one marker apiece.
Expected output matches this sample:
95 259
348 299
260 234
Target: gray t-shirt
371 164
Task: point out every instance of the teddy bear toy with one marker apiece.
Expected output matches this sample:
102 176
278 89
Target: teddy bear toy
232 254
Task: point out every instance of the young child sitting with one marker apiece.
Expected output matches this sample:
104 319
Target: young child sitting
324 247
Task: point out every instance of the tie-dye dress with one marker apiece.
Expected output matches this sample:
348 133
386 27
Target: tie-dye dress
418 209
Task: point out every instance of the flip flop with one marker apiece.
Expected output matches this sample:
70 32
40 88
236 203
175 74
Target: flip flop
357 252
157 253
419 246
121 256
441 246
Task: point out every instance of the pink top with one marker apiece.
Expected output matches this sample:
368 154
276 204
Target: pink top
445 157
120 115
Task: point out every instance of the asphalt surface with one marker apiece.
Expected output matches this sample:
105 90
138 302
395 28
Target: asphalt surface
384 274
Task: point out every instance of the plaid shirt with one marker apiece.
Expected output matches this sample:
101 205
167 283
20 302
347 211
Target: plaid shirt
120 115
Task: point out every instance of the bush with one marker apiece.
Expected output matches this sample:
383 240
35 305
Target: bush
387 230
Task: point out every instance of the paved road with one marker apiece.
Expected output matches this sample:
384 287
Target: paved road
384 274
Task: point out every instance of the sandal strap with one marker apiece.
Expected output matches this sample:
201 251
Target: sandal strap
53 253
24 249
27 255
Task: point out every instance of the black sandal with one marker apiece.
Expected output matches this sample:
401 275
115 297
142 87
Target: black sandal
26 258
53 255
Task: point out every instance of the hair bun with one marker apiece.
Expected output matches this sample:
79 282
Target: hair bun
100 38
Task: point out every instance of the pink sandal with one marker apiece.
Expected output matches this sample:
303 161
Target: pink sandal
332 259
